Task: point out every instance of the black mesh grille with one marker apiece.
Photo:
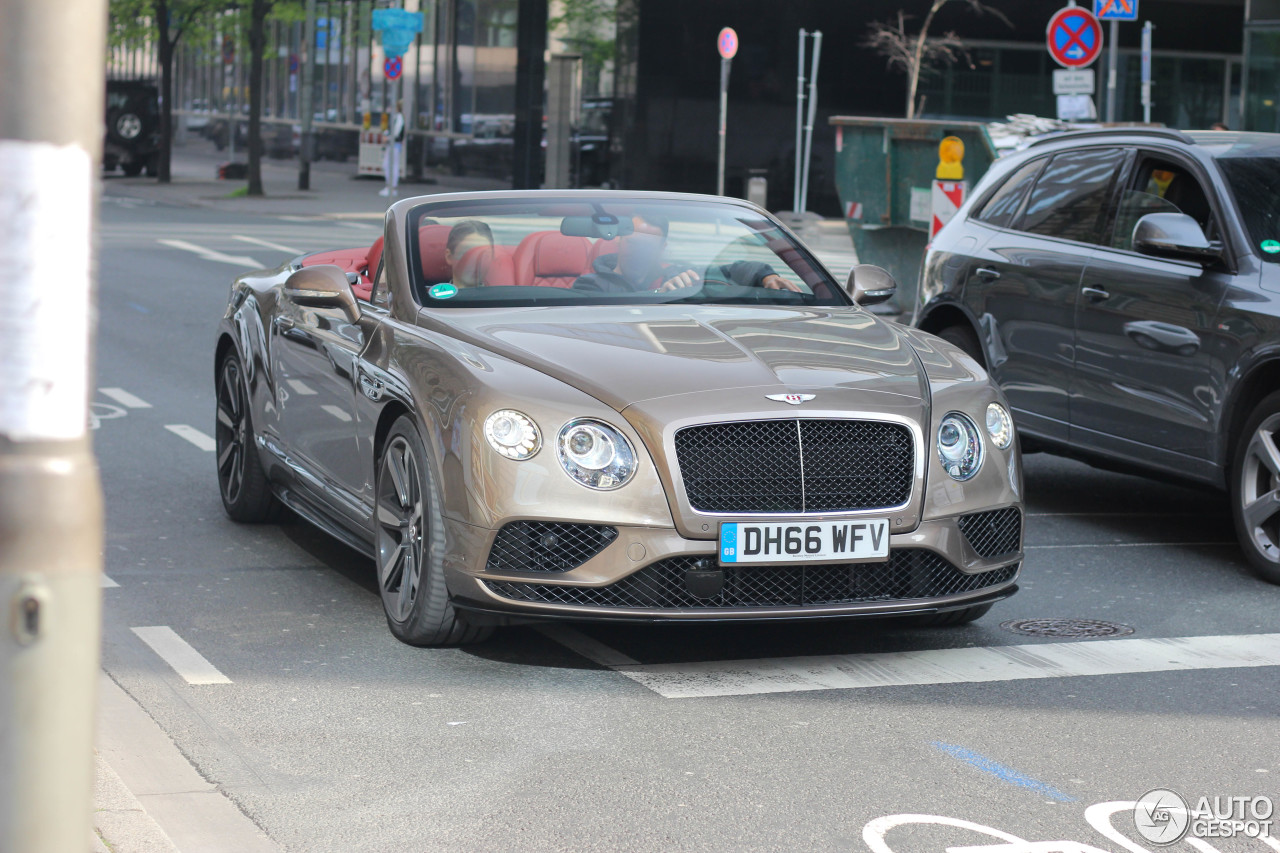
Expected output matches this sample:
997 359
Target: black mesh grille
994 533
756 466
909 574
547 546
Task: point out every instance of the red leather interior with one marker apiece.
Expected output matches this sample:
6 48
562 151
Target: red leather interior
432 240
551 259
603 247
502 272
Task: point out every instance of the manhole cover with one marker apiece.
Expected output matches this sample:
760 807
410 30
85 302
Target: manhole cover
1066 628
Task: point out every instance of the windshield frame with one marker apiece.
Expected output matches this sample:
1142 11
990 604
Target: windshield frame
1245 214
469 204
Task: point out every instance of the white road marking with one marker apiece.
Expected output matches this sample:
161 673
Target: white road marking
363 226
192 435
124 398
307 219
589 647
266 244
179 654
338 413
108 583
212 255
301 388
948 666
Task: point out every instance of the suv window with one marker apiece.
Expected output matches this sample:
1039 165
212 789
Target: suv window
1160 186
1003 205
1069 199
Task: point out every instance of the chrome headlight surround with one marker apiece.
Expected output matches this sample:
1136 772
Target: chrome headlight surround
999 426
513 434
959 446
596 454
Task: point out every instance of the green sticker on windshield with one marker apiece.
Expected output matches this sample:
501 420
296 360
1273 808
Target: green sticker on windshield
1271 246
444 291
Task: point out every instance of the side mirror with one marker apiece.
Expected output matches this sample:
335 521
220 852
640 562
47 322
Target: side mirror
870 285
1175 236
322 286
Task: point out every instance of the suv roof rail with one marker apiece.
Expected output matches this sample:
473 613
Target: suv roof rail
1162 132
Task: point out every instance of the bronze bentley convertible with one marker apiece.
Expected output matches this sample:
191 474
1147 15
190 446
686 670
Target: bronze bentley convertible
605 405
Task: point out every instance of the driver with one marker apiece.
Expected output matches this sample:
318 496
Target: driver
639 265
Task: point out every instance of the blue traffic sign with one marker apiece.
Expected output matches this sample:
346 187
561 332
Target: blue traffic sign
1074 37
1115 10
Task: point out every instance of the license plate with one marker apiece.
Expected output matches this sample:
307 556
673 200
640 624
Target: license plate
863 540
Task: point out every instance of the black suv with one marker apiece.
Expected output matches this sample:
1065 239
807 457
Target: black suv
1123 288
133 127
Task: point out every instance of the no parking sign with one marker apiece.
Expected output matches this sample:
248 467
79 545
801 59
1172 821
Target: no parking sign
1074 37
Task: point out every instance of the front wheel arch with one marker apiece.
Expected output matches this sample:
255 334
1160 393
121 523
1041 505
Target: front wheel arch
946 317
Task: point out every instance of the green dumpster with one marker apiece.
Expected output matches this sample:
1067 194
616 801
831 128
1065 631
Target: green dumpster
885 170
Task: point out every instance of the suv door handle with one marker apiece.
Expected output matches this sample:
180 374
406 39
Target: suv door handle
987 273
1095 294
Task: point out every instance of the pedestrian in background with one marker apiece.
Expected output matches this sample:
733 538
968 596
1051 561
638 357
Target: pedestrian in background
391 156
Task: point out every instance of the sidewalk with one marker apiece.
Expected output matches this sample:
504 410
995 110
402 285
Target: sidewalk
337 194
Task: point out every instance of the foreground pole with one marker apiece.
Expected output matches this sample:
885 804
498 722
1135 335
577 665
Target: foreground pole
50 501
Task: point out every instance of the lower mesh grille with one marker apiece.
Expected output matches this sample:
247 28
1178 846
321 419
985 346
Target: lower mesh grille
909 574
995 533
547 546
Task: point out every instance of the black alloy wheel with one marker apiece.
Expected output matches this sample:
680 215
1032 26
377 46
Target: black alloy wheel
246 492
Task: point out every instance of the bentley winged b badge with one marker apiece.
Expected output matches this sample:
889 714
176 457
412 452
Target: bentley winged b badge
793 399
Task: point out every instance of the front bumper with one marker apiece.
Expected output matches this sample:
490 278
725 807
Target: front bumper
655 574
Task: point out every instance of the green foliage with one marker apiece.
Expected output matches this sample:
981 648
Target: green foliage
588 27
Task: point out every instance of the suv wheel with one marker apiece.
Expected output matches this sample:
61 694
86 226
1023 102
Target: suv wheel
963 337
1255 489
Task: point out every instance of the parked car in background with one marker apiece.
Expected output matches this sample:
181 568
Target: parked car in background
1123 288
132 127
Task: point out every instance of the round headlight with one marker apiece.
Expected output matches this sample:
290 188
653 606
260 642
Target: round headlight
512 434
595 454
959 446
999 426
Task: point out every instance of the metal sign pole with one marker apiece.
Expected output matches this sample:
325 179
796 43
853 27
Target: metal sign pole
306 106
50 496
1113 35
724 121
795 195
1146 71
808 130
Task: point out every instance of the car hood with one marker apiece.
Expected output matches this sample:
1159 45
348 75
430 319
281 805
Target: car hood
623 355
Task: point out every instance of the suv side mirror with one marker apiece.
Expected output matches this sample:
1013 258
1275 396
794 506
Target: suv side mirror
323 286
870 285
1173 235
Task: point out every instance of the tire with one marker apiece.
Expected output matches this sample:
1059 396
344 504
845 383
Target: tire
246 492
410 547
153 166
963 337
1255 485
127 125
953 617
133 168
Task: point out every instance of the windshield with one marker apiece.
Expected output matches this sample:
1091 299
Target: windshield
546 250
1255 183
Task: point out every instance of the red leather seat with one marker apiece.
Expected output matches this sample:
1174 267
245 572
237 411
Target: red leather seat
603 247
551 259
502 272
351 260
432 241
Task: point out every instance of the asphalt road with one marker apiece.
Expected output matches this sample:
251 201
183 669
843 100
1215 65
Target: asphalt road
332 736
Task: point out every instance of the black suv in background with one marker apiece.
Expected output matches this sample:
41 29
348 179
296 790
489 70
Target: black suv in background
133 127
1123 288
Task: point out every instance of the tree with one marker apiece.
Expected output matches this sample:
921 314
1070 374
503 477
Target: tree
163 22
914 53
588 27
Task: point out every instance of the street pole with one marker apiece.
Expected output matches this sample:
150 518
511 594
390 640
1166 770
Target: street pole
724 122
308 93
808 129
795 195
1113 36
1146 72
50 497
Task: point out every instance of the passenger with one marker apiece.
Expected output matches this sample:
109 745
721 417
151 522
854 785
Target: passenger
469 253
639 265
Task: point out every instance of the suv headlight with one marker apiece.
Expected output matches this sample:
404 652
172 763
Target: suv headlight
959 446
595 454
512 433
